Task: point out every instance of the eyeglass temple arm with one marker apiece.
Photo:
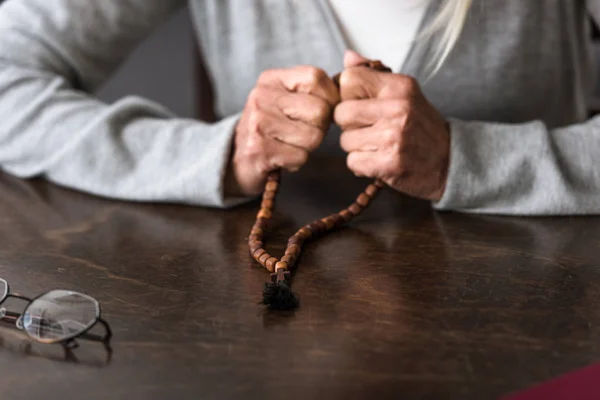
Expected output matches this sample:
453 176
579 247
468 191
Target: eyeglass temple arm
11 316
99 338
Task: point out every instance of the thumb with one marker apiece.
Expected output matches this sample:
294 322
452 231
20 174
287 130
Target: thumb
353 59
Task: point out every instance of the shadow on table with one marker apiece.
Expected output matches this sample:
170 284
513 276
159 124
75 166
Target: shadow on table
99 357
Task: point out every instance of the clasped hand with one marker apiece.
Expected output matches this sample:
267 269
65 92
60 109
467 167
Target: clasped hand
390 130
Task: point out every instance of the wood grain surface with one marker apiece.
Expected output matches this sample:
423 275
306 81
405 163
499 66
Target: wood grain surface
405 303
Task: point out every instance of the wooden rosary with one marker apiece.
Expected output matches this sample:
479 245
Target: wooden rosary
277 294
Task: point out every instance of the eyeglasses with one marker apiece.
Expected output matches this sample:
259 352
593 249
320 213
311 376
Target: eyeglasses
58 316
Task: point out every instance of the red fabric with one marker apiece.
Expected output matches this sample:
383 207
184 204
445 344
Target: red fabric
583 384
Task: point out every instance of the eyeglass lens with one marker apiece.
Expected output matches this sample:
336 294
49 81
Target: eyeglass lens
60 314
3 289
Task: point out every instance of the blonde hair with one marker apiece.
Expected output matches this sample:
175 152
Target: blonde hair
447 25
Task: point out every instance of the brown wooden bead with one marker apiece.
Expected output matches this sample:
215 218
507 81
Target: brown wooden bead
289 259
295 240
328 222
269 196
314 228
293 249
258 243
317 228
320 225
253 247
264 213
281 265
270 263
262 222
346 215
371 190
339 221
267 204
257 253
355 209
363 200
271 186
257 231
379 184
304 233
262 259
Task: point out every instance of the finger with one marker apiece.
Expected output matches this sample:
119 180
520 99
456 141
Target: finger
280 128
363 164
303 79
353 59
370 139
282 155
361 83
355 114
306 108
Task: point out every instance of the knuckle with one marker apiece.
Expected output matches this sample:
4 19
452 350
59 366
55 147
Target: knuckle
351 163
314 75
349 76
323 112
266 76
315 137
257 120
254 97
302 158
409 86
391 137
294 163
254 145
398 108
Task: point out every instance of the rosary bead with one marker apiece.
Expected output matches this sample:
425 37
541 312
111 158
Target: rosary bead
320 225
314 228
295 240
281 265
262 222
355 209
288 259
254 246
269 196
264 213
328 222
270 263
293 249
271 186
363 200
379 184
304 233
267 204
371 190
346 216
262 259
257 231
257 253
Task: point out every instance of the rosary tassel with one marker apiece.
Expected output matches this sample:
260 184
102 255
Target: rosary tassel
277 294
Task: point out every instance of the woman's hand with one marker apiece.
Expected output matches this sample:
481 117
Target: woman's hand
391 131
285 118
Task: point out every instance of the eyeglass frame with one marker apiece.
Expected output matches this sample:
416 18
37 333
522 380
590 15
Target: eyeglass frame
69 341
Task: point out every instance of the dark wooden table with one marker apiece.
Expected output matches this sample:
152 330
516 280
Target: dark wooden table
405 303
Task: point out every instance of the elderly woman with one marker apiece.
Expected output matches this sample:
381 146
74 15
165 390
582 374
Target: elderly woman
485 111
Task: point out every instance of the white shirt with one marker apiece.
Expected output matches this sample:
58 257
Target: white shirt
380 29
